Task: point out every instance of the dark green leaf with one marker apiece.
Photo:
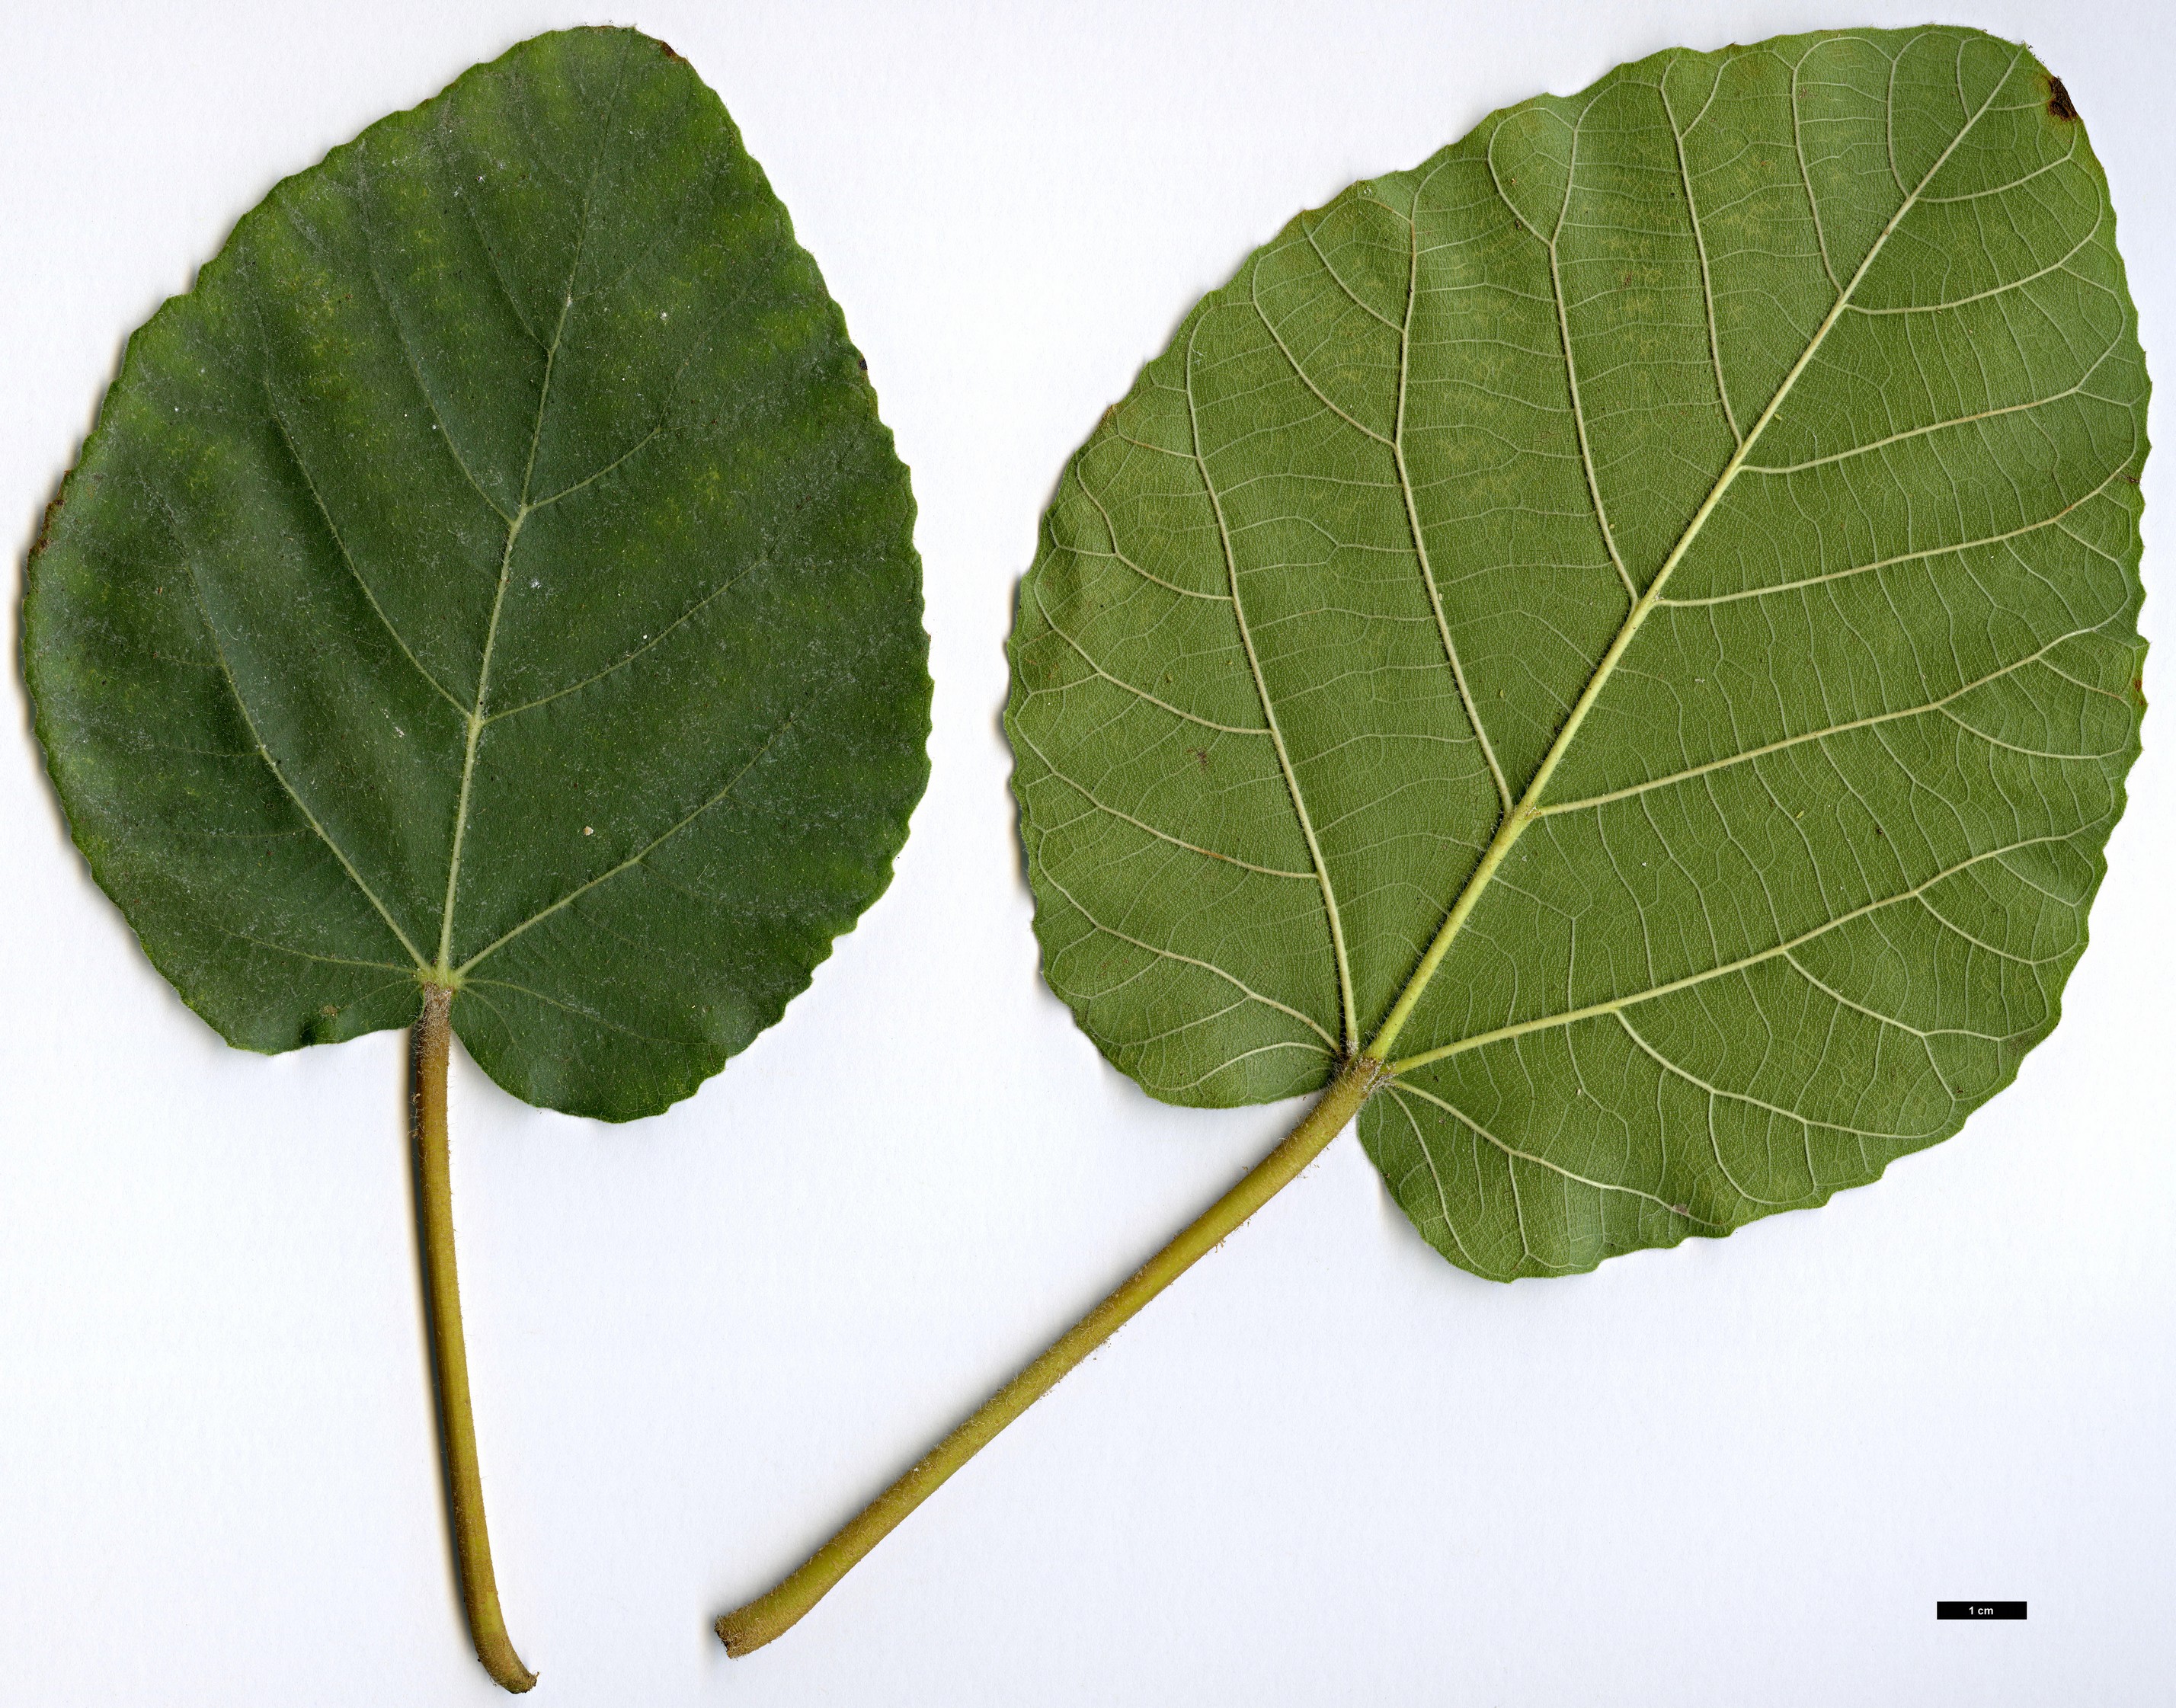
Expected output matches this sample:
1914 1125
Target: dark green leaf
1639 612
494 573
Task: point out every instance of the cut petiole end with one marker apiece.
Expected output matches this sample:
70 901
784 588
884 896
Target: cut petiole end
504 1666
747 1628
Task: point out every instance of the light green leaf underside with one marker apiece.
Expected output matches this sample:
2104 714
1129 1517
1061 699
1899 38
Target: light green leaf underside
493 573
1633 621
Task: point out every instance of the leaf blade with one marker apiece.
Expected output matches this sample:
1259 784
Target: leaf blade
1571 365
525 485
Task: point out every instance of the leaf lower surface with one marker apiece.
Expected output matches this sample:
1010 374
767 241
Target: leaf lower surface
494 572
1632 623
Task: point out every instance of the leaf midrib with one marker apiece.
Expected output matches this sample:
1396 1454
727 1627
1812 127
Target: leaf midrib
475 716
444 973
1528 810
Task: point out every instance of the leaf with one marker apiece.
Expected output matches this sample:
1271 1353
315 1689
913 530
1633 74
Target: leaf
489 604
494 575
1639 614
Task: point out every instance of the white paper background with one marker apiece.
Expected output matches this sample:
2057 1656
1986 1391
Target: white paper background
1327 1467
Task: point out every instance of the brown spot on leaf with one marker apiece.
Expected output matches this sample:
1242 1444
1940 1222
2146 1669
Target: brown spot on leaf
1202 755
2059 102
46 527
666 48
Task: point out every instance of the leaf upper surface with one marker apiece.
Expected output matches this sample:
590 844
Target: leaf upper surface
1632 621
494 571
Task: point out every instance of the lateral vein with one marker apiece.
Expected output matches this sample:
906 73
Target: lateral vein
1413 514
1922 709
632 861
1779 951
249 722
1351 1028
348 557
